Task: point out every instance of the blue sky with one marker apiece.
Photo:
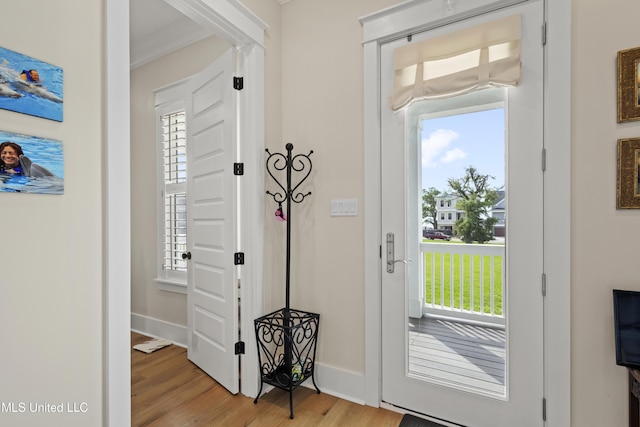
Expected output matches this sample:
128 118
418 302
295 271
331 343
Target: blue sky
450 144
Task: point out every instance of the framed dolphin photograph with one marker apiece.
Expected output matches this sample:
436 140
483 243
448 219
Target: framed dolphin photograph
30 164
30 86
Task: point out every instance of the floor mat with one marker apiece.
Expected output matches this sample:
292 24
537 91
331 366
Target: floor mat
152 345
409 420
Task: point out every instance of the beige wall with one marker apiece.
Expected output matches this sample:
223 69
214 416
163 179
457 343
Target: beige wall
607 260
322 69
51 257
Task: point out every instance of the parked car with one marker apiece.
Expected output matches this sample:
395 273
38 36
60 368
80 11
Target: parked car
435 235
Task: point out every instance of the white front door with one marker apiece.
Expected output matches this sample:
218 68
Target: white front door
520 402
212 292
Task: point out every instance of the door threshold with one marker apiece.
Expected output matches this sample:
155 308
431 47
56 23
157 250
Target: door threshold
401 410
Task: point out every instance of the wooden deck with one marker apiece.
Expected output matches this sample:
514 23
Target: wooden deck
459 354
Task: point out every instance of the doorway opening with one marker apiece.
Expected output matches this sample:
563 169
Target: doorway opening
243 29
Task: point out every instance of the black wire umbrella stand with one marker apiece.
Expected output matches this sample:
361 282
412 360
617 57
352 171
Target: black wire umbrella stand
287 338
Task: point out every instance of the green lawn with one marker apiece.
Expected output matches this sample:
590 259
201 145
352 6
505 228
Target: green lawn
466 282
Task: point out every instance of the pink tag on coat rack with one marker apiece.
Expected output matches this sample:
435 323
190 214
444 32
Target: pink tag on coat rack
280 216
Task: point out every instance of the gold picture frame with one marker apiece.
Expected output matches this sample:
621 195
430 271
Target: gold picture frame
628 190
628 80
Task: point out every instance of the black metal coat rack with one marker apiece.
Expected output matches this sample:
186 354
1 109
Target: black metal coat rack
297 163
287 338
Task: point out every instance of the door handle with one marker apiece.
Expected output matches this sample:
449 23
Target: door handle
391 262
186 255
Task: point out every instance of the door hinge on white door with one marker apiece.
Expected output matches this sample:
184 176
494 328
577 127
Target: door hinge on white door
238 258
544 409
544 285
239 347
544 33
238 83
544 159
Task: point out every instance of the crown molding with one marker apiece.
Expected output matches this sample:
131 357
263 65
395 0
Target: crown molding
228 19
177 35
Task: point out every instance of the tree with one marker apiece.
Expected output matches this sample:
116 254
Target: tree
429 207
477 198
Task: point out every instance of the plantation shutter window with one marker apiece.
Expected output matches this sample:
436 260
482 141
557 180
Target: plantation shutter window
174 141
487 55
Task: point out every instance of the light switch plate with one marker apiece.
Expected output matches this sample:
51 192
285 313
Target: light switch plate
344 207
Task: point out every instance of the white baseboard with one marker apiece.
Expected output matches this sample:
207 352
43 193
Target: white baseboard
336 382
330 380
156 328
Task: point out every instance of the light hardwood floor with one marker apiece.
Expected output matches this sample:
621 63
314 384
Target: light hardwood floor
168 390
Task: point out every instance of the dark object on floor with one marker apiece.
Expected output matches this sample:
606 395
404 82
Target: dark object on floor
412 421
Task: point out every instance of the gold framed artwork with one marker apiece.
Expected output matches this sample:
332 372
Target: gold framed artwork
628 80
628 190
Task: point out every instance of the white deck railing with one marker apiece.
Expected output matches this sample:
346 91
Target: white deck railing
464 280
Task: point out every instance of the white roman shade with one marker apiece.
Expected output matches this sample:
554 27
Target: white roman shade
477 57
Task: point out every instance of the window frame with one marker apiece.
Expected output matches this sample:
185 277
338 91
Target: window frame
169 100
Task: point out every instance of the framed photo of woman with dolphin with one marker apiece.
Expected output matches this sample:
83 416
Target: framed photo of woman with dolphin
30 164
30 86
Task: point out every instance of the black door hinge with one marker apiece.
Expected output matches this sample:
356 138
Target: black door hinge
238 168
240 347
238 258
238 83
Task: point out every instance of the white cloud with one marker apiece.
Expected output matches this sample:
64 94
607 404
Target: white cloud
436 144
453 155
